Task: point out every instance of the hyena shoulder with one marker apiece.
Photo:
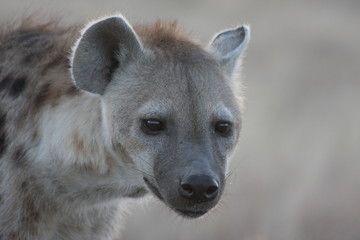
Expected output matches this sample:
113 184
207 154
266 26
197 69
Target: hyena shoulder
33 74
34 59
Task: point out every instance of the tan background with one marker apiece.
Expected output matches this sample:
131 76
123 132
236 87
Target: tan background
297 170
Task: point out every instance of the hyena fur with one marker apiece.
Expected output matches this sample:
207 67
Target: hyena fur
89 117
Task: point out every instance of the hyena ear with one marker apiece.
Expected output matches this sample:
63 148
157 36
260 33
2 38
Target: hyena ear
104 46
228 46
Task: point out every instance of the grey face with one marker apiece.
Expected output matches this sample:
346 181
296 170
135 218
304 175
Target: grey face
182 125
172 109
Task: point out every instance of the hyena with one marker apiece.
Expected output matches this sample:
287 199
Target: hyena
89 117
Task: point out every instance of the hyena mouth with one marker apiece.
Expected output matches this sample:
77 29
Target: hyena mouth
153 188
190 214
182 212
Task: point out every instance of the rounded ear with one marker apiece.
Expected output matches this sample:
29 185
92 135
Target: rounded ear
229 45
104 46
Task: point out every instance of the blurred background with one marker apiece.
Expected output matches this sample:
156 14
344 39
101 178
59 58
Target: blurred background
296 173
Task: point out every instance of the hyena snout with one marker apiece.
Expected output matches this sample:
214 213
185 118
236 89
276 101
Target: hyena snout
199 188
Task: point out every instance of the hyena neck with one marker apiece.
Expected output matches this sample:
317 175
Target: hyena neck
73 134
78 153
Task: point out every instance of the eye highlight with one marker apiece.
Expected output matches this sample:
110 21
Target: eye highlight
223 128
151 126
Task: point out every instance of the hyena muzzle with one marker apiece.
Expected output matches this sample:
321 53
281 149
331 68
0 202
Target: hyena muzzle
135 110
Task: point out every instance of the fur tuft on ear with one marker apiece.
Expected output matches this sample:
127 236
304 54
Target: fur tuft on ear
228 46
105 44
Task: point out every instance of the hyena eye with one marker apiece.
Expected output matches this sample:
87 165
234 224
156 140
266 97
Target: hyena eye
152 125
223 128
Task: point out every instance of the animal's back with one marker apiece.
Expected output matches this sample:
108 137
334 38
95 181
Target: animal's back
33 61
33 76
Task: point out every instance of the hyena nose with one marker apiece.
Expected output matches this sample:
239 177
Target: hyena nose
199 188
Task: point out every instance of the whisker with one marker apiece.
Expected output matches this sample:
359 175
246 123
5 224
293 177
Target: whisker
237 166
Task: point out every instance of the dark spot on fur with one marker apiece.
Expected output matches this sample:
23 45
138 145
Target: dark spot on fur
3 143
78 142
13 236
33 40
18 86
19 157
138 192
29 57
31 213
43 95
96 228
79 228
35 45
30 208
5 82
61 189
2 119
53 63
0 198
27 37
73 90
49 95
24 185
35 135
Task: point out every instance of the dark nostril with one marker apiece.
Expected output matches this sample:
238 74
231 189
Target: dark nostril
211 190
186 190
199 188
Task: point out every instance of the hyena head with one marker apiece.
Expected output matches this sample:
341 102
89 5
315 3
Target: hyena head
168 104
